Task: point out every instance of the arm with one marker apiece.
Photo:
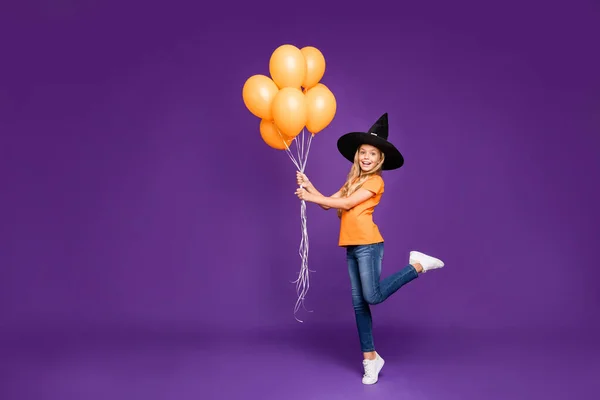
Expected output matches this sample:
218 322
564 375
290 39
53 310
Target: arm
346 203
336 195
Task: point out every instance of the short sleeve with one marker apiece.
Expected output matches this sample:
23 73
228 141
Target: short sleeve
374 184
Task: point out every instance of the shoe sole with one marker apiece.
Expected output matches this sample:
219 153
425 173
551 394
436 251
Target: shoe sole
418 253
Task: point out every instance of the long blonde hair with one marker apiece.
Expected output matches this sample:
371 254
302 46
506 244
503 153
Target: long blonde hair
356 176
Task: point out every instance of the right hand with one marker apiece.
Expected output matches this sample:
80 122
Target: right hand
302 180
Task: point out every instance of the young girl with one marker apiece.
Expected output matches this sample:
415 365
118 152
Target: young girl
371 153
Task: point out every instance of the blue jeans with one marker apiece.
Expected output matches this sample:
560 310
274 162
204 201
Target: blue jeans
364 267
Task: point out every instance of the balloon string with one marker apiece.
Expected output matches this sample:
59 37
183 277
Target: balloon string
289 152
299 146
307 151
303 281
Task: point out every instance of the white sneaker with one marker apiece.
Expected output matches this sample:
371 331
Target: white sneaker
426 261
372 369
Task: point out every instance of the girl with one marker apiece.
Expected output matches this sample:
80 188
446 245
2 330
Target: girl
371 153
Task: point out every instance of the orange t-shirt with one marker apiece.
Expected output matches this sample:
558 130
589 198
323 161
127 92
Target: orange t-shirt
356 225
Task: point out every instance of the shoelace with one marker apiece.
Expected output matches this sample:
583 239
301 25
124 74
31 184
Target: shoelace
369 368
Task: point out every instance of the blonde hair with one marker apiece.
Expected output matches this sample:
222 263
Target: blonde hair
356 176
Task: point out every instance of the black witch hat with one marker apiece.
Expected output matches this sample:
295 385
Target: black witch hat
376 136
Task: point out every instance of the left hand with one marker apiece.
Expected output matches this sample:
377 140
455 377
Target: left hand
303 194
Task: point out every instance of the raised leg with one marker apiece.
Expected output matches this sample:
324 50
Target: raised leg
376 291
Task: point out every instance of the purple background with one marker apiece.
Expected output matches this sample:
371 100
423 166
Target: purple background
137 192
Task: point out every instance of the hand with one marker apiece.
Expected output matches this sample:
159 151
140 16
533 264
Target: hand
303 194
302 180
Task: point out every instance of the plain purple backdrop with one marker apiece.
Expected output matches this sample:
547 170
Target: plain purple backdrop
136 188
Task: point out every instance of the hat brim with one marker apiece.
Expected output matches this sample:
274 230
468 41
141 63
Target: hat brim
350 142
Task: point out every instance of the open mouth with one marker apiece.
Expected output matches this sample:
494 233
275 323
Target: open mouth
366 163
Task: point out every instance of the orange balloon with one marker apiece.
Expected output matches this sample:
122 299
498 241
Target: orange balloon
321 107
315 66
287 66
289 111
316 86
258 94
271 135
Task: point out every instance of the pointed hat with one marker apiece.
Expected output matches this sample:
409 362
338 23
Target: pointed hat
376 136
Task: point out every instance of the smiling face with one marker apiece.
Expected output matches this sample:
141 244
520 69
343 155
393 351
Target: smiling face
368 157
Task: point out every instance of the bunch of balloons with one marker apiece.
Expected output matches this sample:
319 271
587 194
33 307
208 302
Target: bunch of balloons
289 102
293 98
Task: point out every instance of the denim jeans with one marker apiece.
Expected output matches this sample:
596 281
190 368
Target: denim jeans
364 267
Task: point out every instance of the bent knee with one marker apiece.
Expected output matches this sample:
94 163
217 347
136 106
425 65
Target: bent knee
372 298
